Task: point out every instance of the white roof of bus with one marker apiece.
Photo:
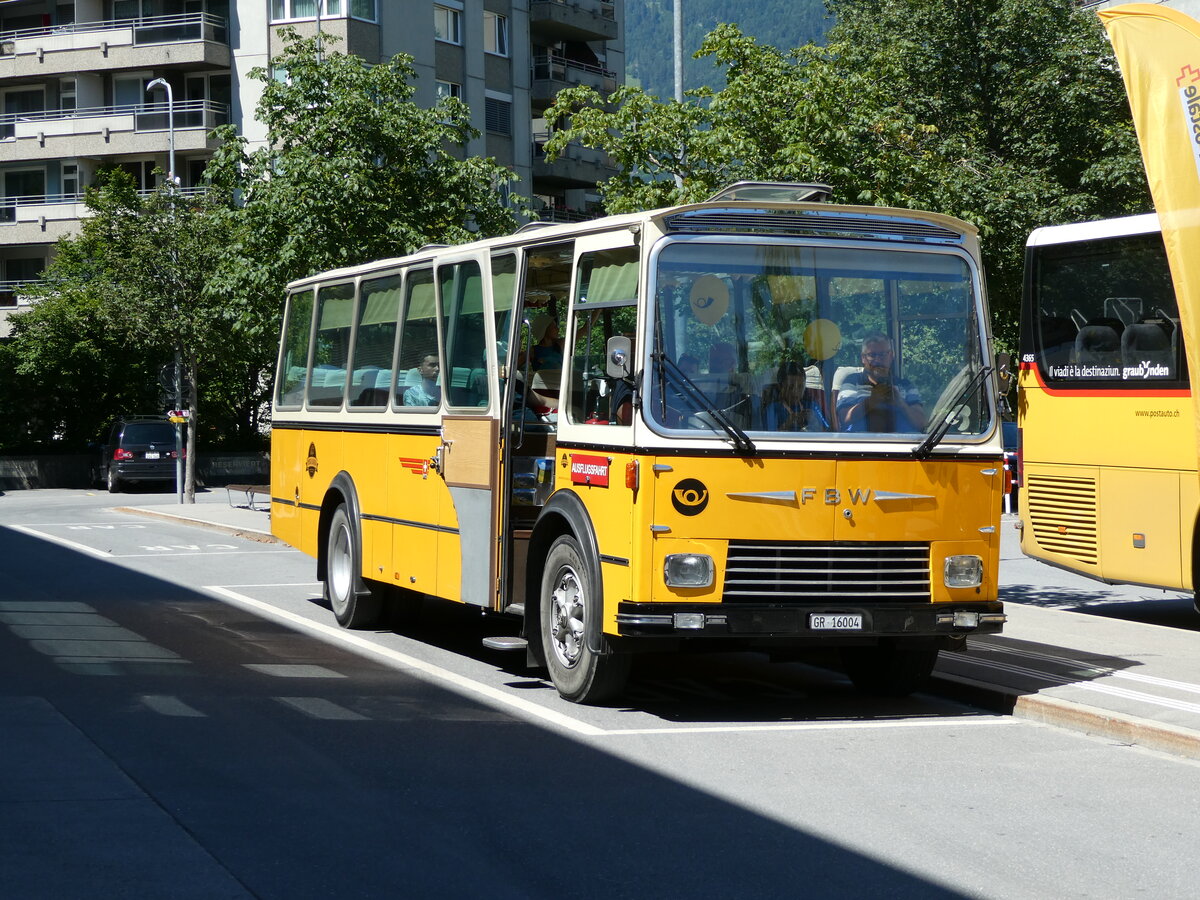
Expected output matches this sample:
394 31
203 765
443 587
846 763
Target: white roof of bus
1092 231
563 231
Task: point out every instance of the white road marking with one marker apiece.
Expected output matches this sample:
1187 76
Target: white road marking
320 708
498 698
63 542
1092 670
823 726
171 706
1084 685
405 662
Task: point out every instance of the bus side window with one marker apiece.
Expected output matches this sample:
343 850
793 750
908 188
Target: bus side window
418 338
331 350
293 358
374 342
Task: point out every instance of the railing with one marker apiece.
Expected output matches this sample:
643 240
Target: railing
572 151
189 114
603 9
554 214
554 67
10 292
9 205
147 30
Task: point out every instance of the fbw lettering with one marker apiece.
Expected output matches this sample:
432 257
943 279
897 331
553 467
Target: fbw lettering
833 496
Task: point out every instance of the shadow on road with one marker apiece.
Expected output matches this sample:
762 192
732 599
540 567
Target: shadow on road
165 744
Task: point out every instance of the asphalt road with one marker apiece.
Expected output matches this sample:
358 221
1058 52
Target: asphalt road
182 718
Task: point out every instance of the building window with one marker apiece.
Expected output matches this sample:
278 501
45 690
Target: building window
495 33
498 115
70 179
449 89
283 10
447 24
363 9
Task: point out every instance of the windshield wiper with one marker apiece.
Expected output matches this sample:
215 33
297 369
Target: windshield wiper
741 440
939 431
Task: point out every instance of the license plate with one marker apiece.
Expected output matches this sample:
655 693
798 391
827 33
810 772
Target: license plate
151 454
835 622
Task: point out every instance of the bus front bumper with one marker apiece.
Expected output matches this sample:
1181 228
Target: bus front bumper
832 624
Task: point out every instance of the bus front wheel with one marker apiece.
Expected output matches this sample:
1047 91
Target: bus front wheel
351 608
890 669
569 601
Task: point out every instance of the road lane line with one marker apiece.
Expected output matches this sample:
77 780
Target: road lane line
1109 690
63 542
166 705
457 682
320 708
943 721
499 698
1091 669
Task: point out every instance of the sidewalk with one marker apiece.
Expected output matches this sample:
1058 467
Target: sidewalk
1122 680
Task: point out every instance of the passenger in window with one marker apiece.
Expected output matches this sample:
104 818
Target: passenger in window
426 392
875 400
788 405
548 349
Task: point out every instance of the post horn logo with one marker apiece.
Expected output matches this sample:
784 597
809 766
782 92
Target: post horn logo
310 464
689 497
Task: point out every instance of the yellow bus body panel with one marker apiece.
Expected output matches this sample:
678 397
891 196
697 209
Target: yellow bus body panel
1126 507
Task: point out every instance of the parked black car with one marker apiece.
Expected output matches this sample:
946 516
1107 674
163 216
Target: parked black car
136 449
1012 457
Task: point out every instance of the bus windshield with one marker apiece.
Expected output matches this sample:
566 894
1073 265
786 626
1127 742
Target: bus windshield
814 342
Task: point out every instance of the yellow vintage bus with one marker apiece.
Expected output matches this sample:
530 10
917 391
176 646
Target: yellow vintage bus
762 421
1107 426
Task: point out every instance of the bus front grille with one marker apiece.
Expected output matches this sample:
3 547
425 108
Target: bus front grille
1062 513
796 572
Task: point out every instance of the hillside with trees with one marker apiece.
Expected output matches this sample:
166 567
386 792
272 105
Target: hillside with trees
649 34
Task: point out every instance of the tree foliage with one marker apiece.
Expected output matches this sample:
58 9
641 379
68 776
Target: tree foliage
1008 113
352 171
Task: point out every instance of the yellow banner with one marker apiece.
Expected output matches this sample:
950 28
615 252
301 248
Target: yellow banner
1159 52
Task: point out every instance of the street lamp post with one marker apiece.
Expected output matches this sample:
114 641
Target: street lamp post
163 83
166 85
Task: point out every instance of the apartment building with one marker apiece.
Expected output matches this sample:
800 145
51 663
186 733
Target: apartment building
74 98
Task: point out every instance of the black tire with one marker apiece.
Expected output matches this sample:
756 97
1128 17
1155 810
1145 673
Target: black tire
890 669
113 482
351 607
569 600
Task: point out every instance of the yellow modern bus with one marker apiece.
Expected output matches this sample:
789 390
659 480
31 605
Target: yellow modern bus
762 421
1108 456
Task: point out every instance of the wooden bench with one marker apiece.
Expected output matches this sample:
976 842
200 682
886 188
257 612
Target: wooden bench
252 492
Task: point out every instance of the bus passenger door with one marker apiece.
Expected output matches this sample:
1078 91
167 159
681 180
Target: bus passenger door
468 452
468 459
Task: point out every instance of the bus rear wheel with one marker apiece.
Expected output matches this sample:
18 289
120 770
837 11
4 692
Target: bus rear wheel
890 669
351 608
569 601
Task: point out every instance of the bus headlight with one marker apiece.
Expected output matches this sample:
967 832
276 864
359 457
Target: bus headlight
963 571
688 570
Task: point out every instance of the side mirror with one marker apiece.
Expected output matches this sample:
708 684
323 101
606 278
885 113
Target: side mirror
1004 371
619 357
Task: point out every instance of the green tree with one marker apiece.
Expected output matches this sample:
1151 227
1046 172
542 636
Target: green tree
1007 113
352 171
138 275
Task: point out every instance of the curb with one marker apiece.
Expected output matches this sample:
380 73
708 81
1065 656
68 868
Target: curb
1127 729
250 534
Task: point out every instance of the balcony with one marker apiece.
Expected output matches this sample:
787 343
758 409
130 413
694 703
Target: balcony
195 39
551 73
577 167
11 294
45 219
108 130
573 20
